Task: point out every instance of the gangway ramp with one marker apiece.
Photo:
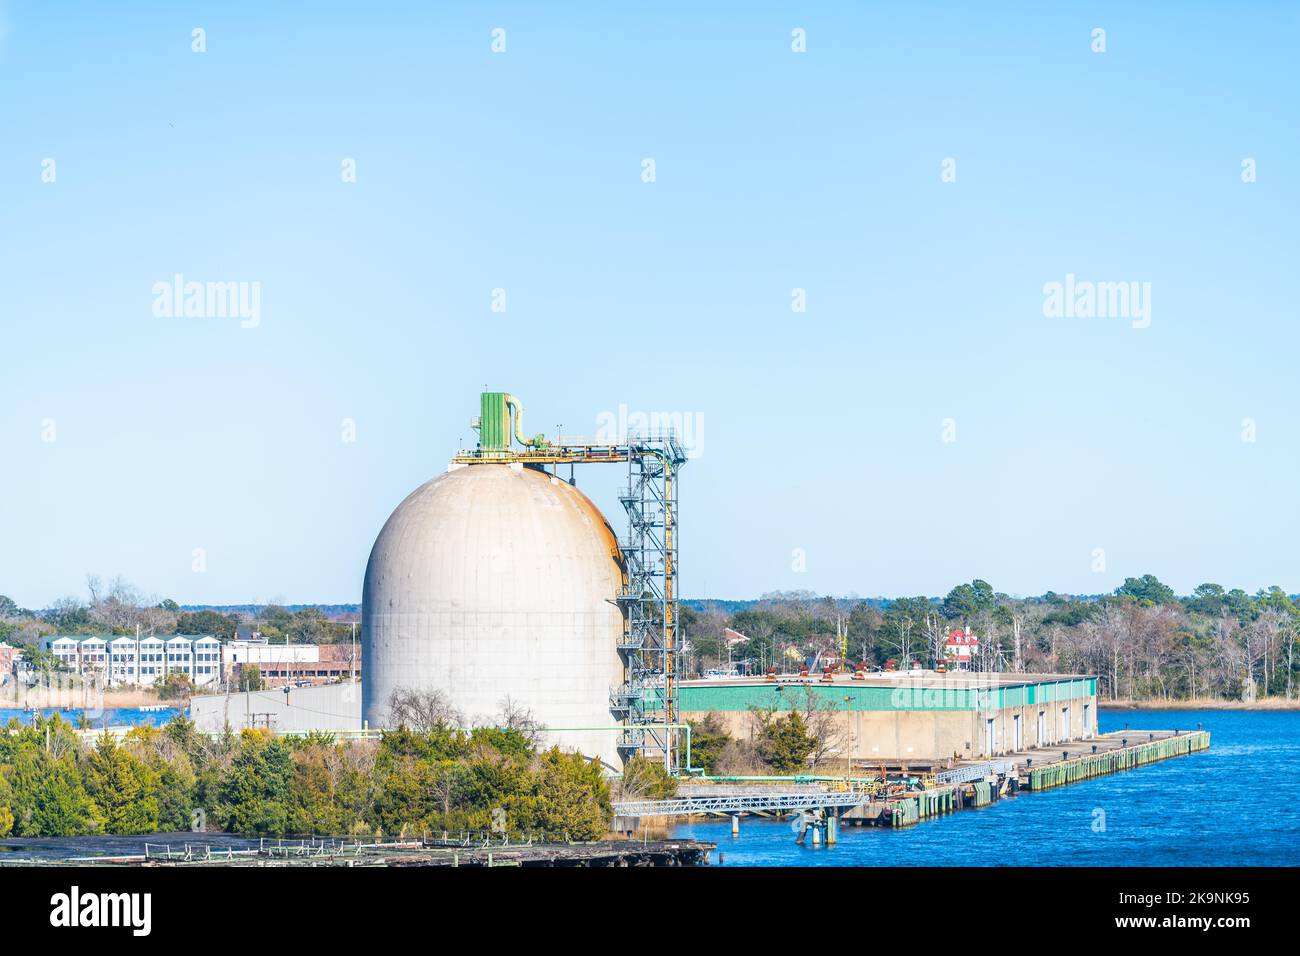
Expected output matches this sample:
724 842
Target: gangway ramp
726 804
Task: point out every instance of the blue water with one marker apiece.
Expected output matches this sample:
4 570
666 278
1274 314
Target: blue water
1231 805
121 717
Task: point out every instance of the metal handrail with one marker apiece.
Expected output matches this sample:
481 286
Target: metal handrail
976 772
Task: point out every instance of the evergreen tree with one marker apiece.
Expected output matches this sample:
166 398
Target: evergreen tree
709 739
569 796
124 788
48 796
1147 589
786 742
314 806
254 791
6 811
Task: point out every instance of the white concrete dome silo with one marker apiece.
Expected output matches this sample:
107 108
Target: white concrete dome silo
494 581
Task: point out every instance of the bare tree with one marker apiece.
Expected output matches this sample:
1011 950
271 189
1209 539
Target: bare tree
422 710
1289 633
1015 613
1268 628
905 625
643 779
121 608
1114 635
761 638
1233 657
827 726
515 716
934 633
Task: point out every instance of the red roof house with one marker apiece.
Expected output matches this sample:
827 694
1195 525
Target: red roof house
961 647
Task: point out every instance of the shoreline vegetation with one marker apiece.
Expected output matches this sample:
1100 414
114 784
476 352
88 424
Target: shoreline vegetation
1202 703
410 782
1147 646
78 698
427 776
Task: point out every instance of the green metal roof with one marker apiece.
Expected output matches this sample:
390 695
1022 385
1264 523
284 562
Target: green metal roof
789 695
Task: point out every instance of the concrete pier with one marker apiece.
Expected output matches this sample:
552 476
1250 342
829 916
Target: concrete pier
897 801
1148 748
1034 770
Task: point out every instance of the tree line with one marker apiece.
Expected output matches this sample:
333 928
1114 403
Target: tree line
119 608
1142 641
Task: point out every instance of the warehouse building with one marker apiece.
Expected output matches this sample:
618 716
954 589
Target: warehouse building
919 715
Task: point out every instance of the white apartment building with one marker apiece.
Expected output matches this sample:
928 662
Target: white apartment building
67 650
205 660
145 660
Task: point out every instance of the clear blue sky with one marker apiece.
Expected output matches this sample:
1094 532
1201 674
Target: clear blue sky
775 170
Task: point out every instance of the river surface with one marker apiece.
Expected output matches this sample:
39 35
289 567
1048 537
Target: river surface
120 717
1231 805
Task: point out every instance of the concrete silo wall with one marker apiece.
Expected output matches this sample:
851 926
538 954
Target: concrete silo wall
496 581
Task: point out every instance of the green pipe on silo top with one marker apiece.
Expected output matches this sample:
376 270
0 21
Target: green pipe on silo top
517 407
